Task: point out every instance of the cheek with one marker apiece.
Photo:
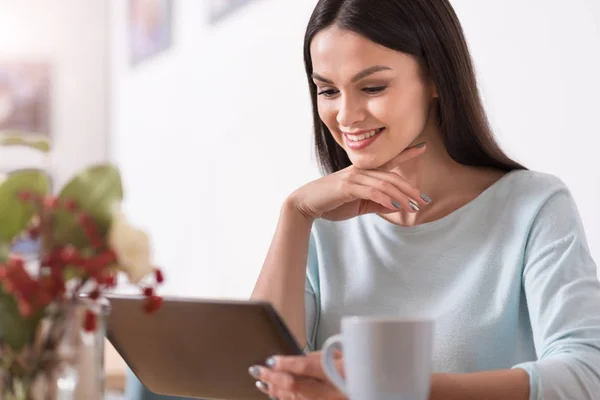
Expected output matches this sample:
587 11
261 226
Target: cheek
406 114
327 113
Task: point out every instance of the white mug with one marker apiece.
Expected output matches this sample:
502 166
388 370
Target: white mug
384 358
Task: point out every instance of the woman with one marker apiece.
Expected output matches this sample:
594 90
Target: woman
420 211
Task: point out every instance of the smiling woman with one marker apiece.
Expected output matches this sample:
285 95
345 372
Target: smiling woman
421 214
420 91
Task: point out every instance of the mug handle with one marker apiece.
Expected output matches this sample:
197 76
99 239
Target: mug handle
328 363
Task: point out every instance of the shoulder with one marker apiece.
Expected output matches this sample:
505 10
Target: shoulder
534 183
528 190
546 202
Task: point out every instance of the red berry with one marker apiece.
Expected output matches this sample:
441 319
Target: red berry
25 196
44 298
96 241
95 294
58 287
109 257
70 255
34 231
159 275
90 323
52 259
152 304
71 205
107 280
50 202
25 308
148 292
85 220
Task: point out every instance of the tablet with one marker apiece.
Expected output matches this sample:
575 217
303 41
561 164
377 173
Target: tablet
199 348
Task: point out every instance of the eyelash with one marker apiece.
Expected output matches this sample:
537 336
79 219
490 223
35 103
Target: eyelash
368 90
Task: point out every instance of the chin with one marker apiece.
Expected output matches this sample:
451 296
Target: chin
366 161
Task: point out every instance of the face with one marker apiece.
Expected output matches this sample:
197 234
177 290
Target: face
373 99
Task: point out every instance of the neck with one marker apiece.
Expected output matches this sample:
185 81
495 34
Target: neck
434 172
449 184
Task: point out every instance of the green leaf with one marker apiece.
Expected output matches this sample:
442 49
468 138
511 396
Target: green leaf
4 251
15 329
40 144
96 190
15 214
73 273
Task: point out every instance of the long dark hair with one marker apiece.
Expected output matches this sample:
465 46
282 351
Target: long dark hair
430 31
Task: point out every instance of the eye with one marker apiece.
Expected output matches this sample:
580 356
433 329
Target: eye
374 89
327 92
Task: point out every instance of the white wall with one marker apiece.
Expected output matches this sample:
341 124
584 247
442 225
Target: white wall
73 36
538 63
226 114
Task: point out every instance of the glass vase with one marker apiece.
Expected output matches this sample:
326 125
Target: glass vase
72 366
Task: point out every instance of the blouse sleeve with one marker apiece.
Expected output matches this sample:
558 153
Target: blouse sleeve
311 297
562 290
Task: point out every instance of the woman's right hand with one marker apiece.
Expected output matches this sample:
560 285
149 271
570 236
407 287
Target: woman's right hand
351 192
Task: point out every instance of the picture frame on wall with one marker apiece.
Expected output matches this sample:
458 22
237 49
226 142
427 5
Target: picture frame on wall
25 97
219 9
150 28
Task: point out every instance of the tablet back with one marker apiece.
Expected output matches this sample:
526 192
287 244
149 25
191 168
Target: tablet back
196 347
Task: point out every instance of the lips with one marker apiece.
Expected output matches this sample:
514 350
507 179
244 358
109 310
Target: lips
363 139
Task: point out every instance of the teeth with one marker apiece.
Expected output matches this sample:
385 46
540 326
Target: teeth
364 136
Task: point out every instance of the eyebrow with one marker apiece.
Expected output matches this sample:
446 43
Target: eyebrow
357 77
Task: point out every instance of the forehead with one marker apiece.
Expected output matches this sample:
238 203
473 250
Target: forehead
342 52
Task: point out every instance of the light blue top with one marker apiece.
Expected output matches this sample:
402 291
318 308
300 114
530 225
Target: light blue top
508 278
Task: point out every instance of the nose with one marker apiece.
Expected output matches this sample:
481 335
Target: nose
350 112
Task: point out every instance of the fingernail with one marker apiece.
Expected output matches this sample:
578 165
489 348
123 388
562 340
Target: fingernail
413 205
425 198
395 204
262 385
420 145
254 371
270 362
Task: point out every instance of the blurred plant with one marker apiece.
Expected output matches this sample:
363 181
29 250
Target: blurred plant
84 242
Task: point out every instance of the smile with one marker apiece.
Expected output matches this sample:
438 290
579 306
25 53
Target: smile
362 140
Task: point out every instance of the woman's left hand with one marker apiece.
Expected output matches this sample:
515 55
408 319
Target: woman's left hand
297 378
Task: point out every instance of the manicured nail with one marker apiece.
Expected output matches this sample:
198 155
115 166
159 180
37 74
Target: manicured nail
270 362
396 204
425 198
262 386
422 144
413 205
254 371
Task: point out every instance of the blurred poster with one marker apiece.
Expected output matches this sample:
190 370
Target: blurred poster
25 97
221 8
150 28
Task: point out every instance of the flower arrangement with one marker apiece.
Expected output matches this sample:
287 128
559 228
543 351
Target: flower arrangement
83 242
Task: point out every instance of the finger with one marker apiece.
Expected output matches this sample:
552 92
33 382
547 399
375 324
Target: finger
274 383
353 191
305 366
400 183
405 155
309 365
383 184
